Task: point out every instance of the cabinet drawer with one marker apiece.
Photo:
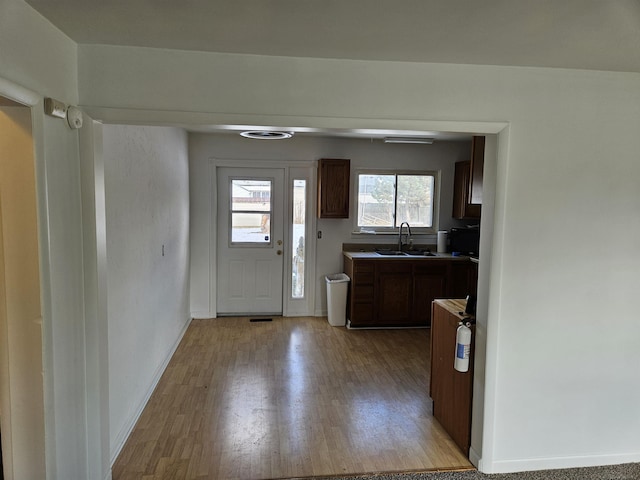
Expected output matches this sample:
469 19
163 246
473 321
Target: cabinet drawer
363 267
362 314
363 278
363 292
395 267
363 273
430 269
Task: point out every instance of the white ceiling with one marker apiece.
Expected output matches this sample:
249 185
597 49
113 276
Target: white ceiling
580 34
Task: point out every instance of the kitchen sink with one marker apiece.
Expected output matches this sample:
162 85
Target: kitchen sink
411 253
419 253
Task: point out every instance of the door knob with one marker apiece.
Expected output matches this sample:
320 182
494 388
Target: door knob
279 252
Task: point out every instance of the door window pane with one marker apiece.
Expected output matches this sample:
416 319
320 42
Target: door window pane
250 211
250 195
298 237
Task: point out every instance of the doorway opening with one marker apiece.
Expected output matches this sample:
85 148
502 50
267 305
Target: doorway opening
263 218
21 379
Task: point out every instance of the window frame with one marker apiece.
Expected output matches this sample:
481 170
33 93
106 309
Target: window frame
394 230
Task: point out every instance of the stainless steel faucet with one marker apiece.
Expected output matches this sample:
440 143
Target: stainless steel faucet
408 234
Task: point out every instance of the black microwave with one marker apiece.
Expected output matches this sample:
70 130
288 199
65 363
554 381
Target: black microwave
465 240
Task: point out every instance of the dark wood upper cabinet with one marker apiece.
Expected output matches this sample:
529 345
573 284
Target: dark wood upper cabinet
467 184
462 207
333 188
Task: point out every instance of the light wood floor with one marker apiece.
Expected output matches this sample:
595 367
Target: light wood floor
293 397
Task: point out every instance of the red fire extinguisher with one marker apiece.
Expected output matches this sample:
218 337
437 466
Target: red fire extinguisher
463 347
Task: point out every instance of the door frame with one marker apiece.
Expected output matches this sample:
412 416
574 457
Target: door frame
292 168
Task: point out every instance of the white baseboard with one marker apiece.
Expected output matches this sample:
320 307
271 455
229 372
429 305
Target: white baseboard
128 428
554 463
207 315
474 457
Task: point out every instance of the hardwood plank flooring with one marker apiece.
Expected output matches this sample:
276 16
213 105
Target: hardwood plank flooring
291 398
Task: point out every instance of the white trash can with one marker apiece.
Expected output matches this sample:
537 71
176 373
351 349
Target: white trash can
337 286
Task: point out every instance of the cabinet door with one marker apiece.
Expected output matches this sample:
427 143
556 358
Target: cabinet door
462 207
394 293
429 283
333 188
463 279
360 301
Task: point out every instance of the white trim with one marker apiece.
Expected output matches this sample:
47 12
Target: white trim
18 94
474 458
488 307
554 463
202 315
94 245
153 116
124 433
213 238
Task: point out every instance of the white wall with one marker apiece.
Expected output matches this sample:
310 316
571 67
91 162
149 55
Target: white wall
37 60
362 153
35 54
147 207
559 332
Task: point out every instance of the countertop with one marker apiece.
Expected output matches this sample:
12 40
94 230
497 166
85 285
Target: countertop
375 256
455 306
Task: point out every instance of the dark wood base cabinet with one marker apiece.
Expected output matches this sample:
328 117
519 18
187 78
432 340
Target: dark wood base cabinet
398 293
451 391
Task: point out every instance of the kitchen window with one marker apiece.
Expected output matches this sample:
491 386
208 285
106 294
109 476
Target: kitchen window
387 199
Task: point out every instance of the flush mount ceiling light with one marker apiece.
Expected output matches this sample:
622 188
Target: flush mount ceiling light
266 135
420 140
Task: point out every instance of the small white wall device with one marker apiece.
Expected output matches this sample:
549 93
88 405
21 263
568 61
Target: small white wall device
56 108
74 118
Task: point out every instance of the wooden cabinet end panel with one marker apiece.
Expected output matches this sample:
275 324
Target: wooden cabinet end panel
451 390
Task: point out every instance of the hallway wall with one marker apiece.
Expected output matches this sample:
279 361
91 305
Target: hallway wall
147 227
38 60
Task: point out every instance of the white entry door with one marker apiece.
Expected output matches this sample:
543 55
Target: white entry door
250 240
